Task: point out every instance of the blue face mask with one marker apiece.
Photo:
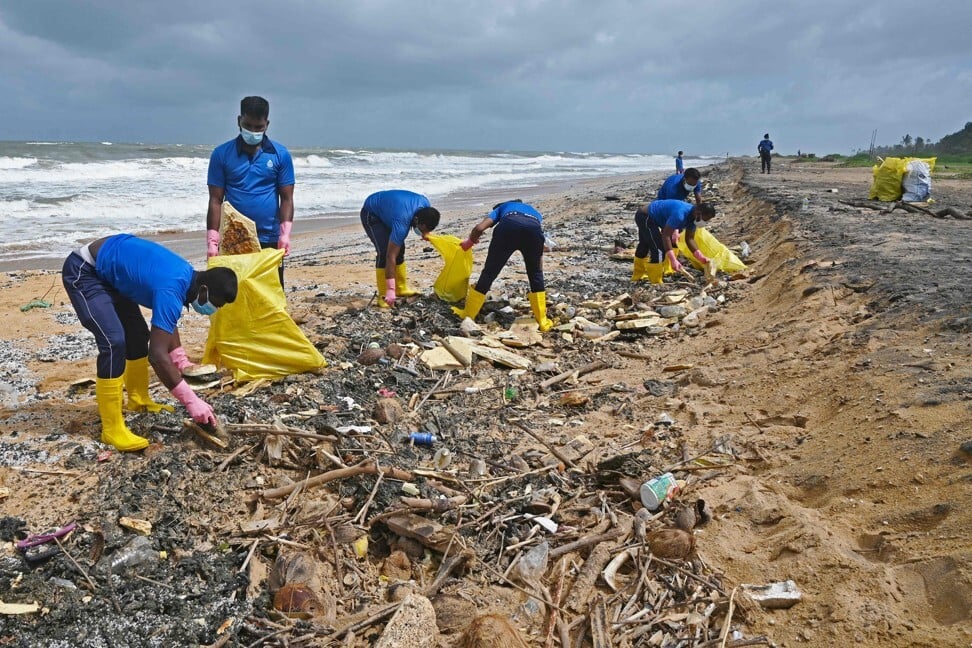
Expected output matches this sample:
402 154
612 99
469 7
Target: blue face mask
203 308
251 138
417 231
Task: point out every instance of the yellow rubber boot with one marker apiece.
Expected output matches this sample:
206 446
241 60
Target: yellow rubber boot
654 272
401 282
380 281
474 302
137 386
638 273
108 392
538 303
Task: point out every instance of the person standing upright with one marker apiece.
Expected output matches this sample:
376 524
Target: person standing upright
765 148
256 175
679 163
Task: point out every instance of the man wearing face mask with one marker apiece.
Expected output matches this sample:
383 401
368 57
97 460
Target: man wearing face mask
256 175
680 186
656 223
387 217
107 280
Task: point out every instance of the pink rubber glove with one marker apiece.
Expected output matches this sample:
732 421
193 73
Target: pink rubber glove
180 359
676 266
212 243
390 291
700 257
468 243
199 410
283 242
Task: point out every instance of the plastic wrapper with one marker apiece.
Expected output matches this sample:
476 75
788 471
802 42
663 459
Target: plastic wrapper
237 233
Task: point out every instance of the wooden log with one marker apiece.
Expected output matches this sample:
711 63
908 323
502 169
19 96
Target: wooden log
588 368
367 467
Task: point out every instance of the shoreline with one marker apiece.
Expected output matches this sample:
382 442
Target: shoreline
191 244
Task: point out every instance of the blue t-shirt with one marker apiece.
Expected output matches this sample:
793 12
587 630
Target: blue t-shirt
396 208
148 274
514 207
672 213
674 189
679 165
764 145
251 184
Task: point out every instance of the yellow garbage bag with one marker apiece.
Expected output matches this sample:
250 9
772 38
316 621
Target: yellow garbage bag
453 282
886 185
254 336
725 260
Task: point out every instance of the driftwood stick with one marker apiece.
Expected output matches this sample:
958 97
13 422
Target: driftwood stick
563 550
583 587
600 628
549 446
588 368
236 453
367 467
435 505
212 439
263 428
386 611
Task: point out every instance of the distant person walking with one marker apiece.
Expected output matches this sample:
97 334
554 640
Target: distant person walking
387 217
679 163
256 175
657 223
518 227
765 148
679 186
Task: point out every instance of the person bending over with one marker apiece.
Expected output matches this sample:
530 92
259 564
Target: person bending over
657 222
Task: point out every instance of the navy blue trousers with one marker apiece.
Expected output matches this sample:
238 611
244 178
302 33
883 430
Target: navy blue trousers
514 232
649 238
379 233
117 323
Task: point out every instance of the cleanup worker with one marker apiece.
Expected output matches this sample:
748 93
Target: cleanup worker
657 223
679 186
518 227
765 150
387 217
107 280
679 163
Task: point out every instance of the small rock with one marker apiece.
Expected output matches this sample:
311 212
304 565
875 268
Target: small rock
412 625
388 410
966 447
370 356
775 596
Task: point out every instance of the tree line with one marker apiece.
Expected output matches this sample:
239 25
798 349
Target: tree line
955 143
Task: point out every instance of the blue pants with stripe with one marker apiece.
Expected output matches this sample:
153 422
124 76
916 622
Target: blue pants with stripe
379 233
117 323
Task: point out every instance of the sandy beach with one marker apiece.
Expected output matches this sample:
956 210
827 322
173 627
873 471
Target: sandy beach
837 368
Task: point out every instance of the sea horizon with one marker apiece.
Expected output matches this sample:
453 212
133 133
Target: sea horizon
55 195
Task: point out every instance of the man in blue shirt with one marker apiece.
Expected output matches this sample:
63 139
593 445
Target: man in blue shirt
765 148
107 280
518 227
678 186
387 218
679 163
657 222
256 175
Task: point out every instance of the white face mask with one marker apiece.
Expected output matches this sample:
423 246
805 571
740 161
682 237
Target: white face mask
688 187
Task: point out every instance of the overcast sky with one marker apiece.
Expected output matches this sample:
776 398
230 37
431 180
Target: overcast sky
645 76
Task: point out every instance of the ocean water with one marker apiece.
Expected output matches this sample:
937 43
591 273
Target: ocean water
55 195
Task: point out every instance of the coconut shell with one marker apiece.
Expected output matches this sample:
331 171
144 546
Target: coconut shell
491 631
297 601
671 544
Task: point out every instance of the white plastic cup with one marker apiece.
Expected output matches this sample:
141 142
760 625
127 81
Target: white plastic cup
657 490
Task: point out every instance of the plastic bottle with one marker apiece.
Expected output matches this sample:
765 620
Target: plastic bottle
137 552
806 203
422 438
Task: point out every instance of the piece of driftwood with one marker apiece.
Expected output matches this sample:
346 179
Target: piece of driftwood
440 505
448 566
583 587
600 627
587 541
268 428
580 371
367 467
552 448
428 532
208 437
951 212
